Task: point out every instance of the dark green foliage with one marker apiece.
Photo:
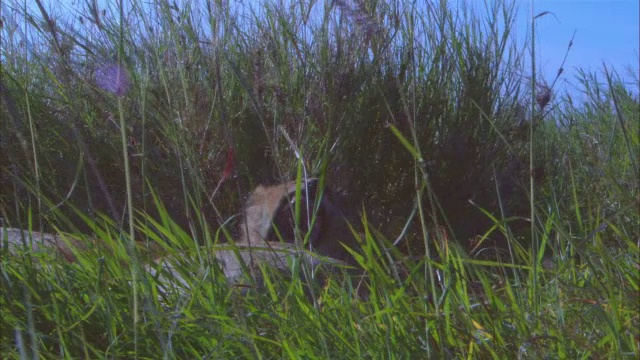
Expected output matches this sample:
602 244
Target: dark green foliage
424 115
207 88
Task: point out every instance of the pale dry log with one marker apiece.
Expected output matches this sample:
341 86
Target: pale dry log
18 240
239 263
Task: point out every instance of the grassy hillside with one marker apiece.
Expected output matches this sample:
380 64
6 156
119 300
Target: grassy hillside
496 216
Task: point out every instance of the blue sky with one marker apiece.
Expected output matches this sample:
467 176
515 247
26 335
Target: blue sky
606 31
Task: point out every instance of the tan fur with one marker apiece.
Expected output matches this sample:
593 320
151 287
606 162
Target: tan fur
271 207
259 211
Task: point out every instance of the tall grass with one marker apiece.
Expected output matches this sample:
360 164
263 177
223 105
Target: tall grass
150 123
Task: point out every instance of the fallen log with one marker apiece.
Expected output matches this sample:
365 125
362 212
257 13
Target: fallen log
239 263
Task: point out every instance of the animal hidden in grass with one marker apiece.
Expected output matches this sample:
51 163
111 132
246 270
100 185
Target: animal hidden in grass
270 233
321 225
